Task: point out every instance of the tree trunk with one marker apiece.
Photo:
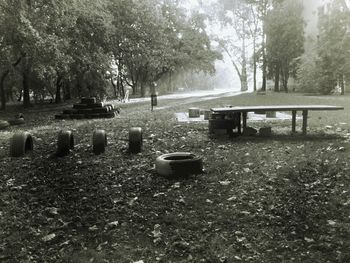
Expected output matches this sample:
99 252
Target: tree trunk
2 84
285 76
244 78
67 94
20 95
263 47
2 89
169 86
277 78
26 95
342 84
254 63
58 98
10 94
143 90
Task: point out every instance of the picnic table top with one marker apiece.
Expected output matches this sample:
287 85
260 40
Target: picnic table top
275 108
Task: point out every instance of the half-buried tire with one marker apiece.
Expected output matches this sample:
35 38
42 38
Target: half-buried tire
65 142
135 140
88 100
178 164
20 144
3 124
99 141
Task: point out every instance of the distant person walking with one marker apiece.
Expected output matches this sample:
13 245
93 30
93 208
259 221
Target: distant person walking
128 89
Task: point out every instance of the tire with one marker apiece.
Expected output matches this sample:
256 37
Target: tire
61 116
108 115
80 106
65 142
99 110
77 116
20 144
265 131
221 124
84 111
110 105
178 164
99 141
97 105
88 100
16 121
70 111
4 124
135 140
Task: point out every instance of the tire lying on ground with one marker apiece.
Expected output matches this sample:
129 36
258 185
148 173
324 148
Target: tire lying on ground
99 141
65 142
178 164
20 144
91 100
3 124
135 140
17 121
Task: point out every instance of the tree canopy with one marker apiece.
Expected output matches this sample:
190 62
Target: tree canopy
52 47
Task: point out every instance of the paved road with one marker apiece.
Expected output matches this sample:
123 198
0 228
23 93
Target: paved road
190 96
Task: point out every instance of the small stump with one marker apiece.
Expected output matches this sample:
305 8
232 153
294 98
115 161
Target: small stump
270 114
207 114
193 112
265 131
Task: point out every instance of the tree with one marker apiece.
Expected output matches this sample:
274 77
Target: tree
285 40
334 45
237 15
327 64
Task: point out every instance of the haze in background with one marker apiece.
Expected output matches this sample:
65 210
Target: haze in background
226 76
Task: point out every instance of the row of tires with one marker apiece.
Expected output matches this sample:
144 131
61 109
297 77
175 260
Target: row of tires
22 142
168 165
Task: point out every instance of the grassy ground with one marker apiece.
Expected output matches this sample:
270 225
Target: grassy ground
278 199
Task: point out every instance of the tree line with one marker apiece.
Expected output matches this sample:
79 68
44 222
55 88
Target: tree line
73 48
270 34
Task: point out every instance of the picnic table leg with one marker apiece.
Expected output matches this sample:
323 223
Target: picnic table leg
244 115
239 128
294 116
305 112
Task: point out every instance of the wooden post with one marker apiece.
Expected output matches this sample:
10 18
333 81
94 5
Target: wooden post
305 121
244 115
294 116
239 127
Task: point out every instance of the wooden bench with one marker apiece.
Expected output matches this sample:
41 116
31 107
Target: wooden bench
243 111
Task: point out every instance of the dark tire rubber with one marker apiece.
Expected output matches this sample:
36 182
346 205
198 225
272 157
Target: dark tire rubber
20 144
65 142
4 124
88 100
99 141
18 121
70 111
99 110
178 164
108 115
80 106
135 140
97 105
110 105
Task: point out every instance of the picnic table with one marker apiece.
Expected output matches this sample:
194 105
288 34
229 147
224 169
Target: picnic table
242 111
